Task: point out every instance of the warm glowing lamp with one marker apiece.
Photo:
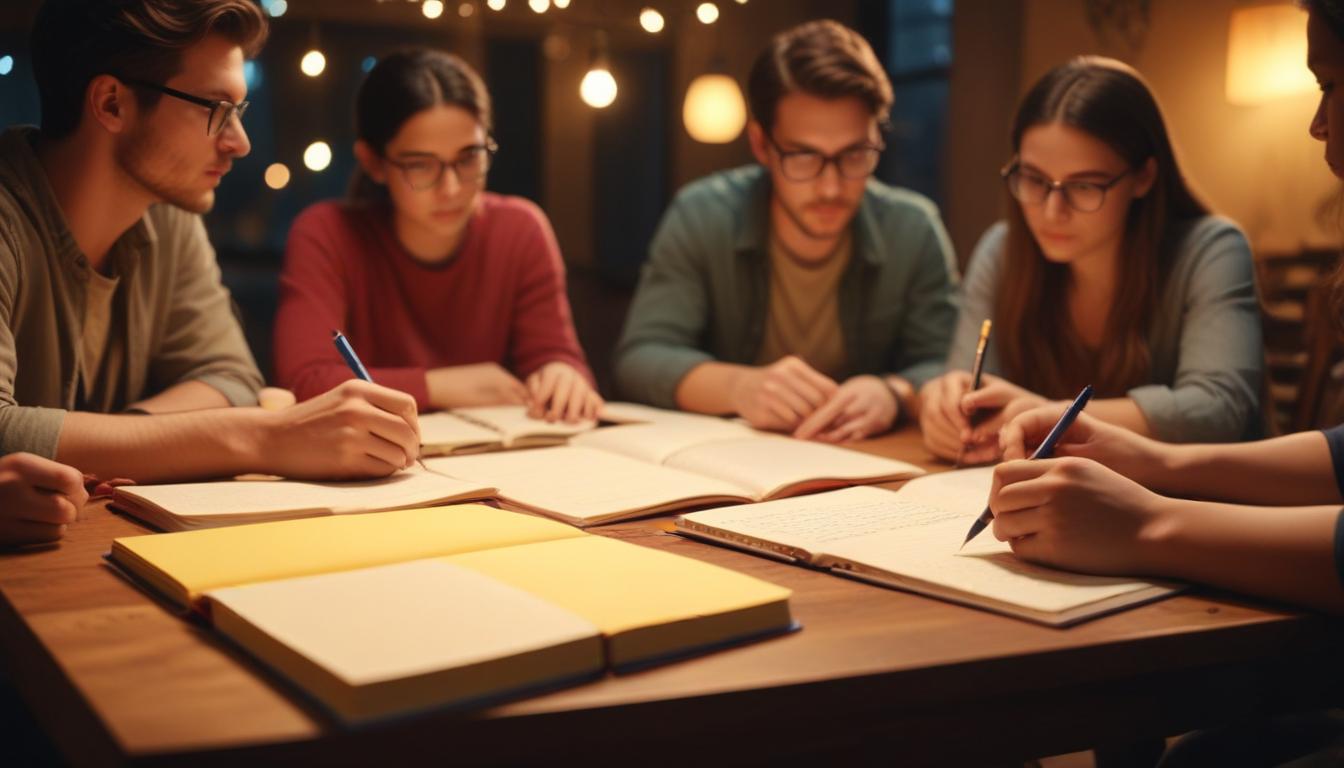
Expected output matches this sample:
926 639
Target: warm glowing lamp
277 175
1267 54
317 156
714 111
432 9
598 89
313 63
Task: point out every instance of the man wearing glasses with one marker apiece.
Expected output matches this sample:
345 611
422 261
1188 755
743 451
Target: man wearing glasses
802 294
119 353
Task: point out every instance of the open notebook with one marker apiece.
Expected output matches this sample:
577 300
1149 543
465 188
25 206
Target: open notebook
620 472
910 539
188 506
491 428
378 615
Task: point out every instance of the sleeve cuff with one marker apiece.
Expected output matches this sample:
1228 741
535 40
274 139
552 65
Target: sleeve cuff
233 390
33 429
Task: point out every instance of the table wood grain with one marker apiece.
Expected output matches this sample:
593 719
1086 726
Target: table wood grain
875 674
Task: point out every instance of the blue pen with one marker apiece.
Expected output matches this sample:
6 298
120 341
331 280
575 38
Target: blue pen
357 367
348 352
1043 451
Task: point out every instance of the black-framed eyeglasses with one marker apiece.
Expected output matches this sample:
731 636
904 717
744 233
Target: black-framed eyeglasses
1031 188
856 162
221 112
470 166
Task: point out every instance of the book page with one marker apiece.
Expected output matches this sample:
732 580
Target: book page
515 426
657 441
443 432
229 502
582 485
407 636
915 535
772 465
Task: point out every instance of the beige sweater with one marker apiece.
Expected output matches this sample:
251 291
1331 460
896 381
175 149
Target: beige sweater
171 319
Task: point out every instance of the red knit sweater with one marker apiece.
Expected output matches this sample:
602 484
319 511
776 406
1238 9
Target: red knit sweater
500 299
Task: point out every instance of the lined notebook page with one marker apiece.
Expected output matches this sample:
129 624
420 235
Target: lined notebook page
916 533
513 424
656 442
442 431
583 485
230 502
770 464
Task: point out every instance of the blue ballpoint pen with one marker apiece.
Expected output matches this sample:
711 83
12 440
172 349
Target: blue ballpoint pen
1043 451
348 352
357 367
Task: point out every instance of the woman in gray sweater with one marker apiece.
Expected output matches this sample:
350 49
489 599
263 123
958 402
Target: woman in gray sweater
1108 271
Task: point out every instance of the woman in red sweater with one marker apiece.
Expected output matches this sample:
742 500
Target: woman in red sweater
448 292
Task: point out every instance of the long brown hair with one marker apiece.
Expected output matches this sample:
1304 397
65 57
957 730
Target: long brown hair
402 84
1038 346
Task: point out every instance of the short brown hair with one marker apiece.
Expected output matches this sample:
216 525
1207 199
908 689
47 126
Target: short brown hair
821 58
74 41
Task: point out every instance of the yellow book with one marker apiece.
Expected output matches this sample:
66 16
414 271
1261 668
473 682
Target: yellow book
376 615
183 566
650 605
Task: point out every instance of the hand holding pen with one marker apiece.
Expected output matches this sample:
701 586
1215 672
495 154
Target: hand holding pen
977 371
1044 451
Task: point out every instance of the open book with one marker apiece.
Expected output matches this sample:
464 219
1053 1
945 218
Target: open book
491 428
616 473
188 506
910 539
379 615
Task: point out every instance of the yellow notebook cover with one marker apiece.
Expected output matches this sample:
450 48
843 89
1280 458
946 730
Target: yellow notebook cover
650 605
183 566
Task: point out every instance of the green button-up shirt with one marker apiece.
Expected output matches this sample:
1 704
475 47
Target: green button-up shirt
704 293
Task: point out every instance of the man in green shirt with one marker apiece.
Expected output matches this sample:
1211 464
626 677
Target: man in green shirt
801 294
110 297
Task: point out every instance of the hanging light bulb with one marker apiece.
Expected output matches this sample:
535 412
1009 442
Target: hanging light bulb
432 9
598 89
495 5
539 6
465 10
317 156
313 63
714 111
561 4
707 13
651 20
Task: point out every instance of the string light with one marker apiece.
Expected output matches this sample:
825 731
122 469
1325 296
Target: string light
707 13
6 64
277 175
539 6
317 156
432 9
313 63
714 111
465 10
275 8
561 4
598 89
651 20
495 5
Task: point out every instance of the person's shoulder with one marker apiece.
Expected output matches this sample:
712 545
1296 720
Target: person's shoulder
511 212
724 193
332 213
1211 239
899 207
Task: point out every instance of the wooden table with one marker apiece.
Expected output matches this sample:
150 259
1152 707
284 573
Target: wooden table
875 673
